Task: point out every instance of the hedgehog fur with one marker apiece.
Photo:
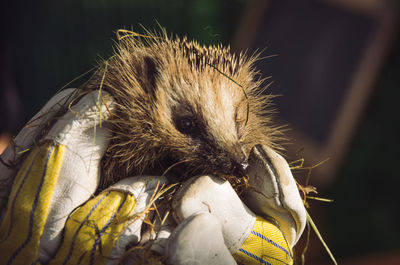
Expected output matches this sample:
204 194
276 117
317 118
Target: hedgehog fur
182 106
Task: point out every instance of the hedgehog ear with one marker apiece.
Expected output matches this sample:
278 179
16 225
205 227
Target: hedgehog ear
148 75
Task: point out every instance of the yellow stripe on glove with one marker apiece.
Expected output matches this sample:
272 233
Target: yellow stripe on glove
90 232
28 204
93 229
265 245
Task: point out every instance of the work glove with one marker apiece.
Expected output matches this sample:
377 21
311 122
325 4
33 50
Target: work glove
217 227
26 138
273 192
60 173
102 230
52 215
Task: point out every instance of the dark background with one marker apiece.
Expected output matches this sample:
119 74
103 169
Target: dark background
318 48
45 44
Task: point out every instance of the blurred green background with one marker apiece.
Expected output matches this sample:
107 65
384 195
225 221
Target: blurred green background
51 42
45 44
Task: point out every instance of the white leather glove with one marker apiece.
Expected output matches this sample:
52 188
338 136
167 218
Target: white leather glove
26 138
215 224
273 192
52 214
198 240
60 173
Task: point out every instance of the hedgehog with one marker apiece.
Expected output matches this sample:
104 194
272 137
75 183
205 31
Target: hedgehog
183 109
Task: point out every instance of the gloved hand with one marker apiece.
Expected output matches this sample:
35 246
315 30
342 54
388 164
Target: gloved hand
52 215
215 225
100 231
26 138
60 173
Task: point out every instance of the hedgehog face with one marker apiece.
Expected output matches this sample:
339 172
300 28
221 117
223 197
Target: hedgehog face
202 120
179 103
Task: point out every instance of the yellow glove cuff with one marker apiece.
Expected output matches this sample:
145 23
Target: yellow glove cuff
28 205
265 245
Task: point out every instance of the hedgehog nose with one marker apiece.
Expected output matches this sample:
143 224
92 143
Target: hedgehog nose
240 166
244 165
239 162
239 169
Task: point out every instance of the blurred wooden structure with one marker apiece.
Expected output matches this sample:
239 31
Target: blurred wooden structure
330 55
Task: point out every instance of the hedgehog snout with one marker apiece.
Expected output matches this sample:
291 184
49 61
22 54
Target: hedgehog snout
240 165
239 170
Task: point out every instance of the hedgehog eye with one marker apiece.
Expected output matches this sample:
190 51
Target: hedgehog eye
186 125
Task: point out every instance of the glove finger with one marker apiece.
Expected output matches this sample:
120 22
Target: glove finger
83 121
102 228
273 192
98 231
141 187
198 240
214 195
